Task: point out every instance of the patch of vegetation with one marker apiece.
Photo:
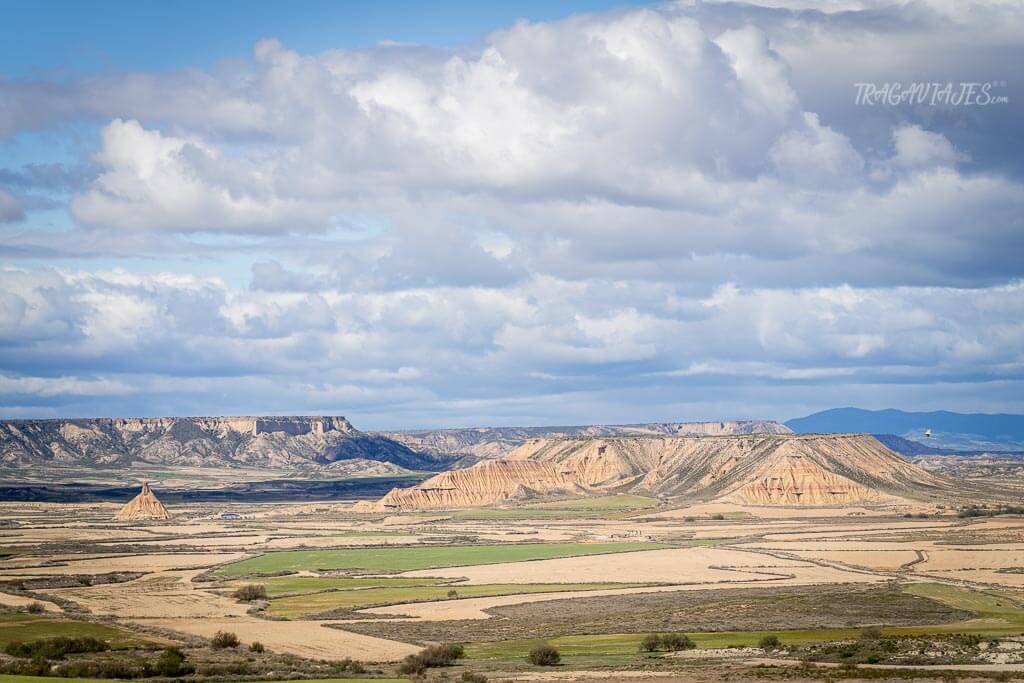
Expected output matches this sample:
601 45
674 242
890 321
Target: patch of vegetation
224 639
751 612
985 511
937 643
544 655
171 663
614 502
392 559
666 642
55 648
323 603
843 673
284 585
250 592
18 626
905 651
769 642
445 654
995 614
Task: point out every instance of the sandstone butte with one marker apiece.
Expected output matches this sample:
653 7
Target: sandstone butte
753 469
143 506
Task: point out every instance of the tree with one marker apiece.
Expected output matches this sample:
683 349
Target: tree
544 655
171 663
674 642
250 592
871 633
650 643
444 654
224 639
770 643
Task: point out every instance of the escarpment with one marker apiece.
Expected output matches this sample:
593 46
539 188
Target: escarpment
757 469
288 442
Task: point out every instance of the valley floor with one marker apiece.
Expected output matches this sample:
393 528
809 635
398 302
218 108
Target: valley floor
590 578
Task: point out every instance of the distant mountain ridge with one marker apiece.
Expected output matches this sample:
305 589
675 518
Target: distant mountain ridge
948 430
289 442
496 442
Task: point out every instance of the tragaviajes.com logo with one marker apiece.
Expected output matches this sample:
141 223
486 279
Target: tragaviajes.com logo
934 94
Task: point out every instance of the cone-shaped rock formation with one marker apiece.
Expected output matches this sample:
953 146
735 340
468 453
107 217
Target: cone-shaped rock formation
143 506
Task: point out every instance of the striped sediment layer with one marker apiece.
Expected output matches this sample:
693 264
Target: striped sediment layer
757 469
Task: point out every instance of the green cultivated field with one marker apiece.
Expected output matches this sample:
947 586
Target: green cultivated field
302 605
283 585
623 502
996 615
614 505
26 627
421 557
629 643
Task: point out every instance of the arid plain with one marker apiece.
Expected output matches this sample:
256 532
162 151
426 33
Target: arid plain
590 576
684 552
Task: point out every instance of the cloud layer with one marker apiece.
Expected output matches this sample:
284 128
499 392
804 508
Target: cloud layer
605 217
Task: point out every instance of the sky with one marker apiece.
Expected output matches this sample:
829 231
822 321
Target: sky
511 213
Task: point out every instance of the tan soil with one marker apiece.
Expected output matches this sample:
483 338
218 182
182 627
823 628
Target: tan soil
18 601
704 566
131 563
166 594
302 638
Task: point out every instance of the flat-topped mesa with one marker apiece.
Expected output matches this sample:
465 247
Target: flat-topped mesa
753 469
287 442
296 426
241 424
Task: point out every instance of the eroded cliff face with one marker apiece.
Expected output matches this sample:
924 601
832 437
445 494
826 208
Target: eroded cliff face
497 442
256 441
758 469
487 483
755 468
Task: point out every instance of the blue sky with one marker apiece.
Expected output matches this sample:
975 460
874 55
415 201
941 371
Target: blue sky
428 214
61 36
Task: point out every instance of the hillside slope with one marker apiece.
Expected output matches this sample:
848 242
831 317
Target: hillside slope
485 483
280 442
496 442
758 469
